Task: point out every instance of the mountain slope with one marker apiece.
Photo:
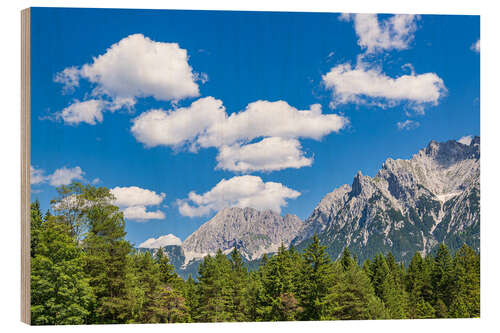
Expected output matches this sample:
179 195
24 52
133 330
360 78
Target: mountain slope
410 205
251 231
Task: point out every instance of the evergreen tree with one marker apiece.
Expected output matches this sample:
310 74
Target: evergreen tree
466 284
214 289
316 279
352 297
107 261
278 301
346 260
192 299
168 276
442 279
419 288
239 292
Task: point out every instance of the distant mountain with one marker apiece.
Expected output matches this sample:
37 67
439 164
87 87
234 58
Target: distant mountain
251 231
410 205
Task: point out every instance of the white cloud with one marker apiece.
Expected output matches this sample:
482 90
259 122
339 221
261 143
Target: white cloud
136 67
69 78
162 241
205 123
408 125
133 200
267 155
65 176
89 112
36 176
135 196
476 47
276 119
395 32
362 85
465 140
241 191
139 213
180 126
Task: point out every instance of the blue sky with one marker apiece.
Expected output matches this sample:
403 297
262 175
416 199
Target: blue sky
313 97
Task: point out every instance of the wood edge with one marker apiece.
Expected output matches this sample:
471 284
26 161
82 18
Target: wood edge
25 165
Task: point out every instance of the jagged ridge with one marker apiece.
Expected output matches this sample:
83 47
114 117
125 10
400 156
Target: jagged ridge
410 205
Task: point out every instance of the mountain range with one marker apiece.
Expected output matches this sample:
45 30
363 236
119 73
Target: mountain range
408 206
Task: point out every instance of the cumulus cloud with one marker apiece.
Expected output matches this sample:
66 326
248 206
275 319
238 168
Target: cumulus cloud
136 196
178 127
36 176
364 85
395 32
139 213
272 119
476 47
135 67
269 154
89 112
133 201
162 241
65 176
205 123
407 125
465 140
240 191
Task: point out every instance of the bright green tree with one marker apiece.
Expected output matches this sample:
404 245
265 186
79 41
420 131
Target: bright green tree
60 292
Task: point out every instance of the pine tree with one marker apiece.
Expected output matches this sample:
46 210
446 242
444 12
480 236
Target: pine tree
60 292
107 261
192 298
316 279
466 284
442 279
352 297
278 301
168 276
419 288
239 292
346 260
214 289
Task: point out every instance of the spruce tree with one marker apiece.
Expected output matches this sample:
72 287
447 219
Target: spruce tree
316 279
352 297
466 284
442 280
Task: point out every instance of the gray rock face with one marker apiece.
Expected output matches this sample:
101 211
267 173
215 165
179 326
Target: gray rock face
251 231
410 205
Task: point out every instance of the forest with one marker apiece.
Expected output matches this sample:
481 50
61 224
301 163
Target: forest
84 271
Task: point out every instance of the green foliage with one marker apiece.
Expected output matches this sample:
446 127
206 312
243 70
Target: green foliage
36 226
60 292
353 298
316 279
85 272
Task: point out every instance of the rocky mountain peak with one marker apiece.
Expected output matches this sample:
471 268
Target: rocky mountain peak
410 205
253 232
